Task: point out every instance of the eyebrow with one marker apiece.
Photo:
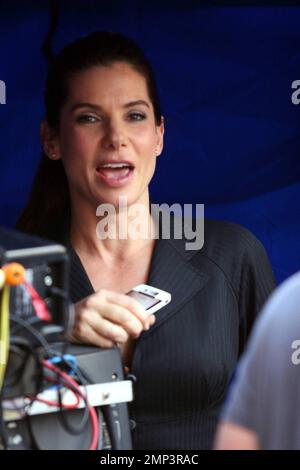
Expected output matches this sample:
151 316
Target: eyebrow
96 107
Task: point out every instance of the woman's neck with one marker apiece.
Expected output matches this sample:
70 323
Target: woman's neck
114 237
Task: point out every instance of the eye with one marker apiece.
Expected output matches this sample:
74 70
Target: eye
87 119
136 116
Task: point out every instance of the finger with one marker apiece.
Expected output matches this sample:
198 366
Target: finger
96 306
109 330
99 300
103 327
84 333
129 303
123 317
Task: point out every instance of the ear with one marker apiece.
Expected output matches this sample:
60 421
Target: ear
50 141
160 130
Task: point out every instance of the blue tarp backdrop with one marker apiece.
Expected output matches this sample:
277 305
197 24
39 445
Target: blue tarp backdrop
224 75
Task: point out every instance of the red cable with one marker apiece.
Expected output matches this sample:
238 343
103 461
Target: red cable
38 303
92 412
54 403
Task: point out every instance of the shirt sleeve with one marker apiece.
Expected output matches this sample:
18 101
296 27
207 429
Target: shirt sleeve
246 395
256 284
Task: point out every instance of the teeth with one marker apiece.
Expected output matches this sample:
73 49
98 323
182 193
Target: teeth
115 165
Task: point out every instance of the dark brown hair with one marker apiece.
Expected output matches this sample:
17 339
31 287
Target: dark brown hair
48 208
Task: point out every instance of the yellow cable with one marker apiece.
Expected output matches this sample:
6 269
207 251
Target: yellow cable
2 278
4 332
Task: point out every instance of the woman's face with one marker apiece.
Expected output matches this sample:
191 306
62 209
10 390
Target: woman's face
108 139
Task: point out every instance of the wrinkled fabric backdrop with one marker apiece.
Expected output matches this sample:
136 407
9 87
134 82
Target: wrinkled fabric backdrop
224 74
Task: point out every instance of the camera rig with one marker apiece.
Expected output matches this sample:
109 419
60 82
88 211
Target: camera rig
54 395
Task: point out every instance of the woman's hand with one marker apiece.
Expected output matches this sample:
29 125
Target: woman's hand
107 317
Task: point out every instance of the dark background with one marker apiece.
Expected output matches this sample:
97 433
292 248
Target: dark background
224 75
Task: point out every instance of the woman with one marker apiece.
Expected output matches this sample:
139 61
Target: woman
102 135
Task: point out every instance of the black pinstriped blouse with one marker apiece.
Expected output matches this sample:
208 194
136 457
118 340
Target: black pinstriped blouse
184 363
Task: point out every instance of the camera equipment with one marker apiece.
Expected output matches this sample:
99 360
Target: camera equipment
47 270
53 395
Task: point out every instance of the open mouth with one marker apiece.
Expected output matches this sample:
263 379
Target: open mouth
115 172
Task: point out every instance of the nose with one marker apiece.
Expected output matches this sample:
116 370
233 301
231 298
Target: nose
114 136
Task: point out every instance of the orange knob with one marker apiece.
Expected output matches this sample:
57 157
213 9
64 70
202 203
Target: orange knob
14 273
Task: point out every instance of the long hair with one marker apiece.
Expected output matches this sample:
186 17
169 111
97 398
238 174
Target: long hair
49 208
